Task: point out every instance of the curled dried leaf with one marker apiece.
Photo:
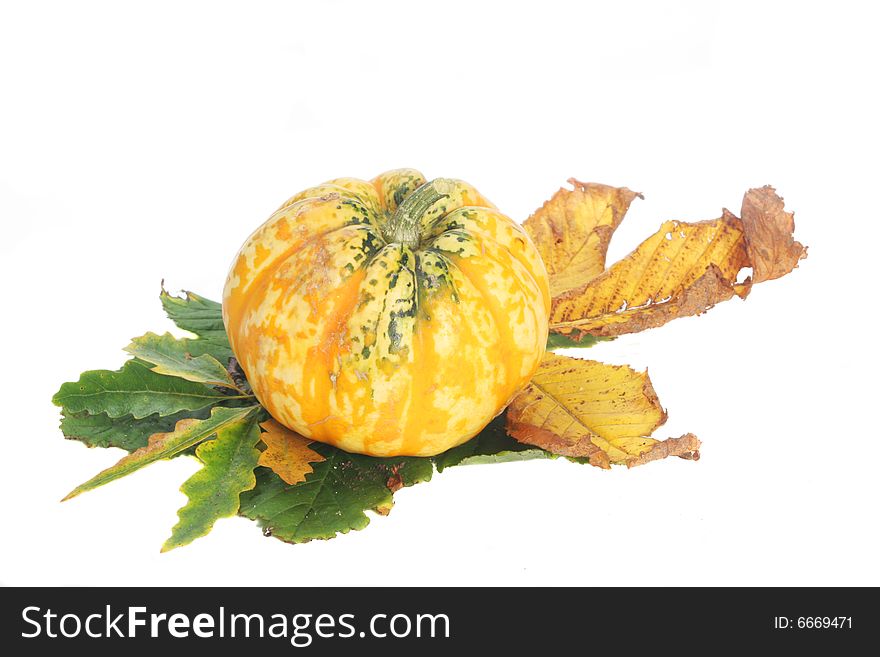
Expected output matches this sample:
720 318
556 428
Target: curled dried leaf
583 408
683 269
769 232
573 228
287 453
685 447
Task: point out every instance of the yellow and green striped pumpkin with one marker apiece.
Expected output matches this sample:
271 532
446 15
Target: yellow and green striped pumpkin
389 317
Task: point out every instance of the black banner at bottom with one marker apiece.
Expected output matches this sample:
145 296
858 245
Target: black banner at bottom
435 620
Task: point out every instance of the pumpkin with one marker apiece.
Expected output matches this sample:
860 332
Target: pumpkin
389 317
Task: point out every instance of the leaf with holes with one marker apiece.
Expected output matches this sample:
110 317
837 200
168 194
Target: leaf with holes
683 269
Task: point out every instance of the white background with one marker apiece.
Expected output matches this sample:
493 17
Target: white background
146 140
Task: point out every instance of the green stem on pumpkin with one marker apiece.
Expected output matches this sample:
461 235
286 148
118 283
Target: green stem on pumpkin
404 227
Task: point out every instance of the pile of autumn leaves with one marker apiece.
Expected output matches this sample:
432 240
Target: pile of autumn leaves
588 409
187 396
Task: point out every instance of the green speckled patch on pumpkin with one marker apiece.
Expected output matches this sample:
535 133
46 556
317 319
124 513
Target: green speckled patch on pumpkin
384 320
394 186
432 274
458 243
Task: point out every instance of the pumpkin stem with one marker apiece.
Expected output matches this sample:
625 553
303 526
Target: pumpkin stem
405 226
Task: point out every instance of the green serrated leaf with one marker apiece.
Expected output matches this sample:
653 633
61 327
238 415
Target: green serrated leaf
203 317
125 432
137 391
491 445
333 498
173 357
187 433
229 461
560 341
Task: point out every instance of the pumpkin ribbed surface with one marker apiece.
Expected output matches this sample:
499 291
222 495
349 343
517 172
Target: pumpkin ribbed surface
387 317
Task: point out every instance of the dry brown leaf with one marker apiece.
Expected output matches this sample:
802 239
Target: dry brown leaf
769 232
683 269
583 408
287 453
573 228
685 447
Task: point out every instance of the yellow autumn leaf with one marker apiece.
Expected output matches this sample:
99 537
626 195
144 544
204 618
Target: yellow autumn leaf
583 408
683 269
573 228
287 453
